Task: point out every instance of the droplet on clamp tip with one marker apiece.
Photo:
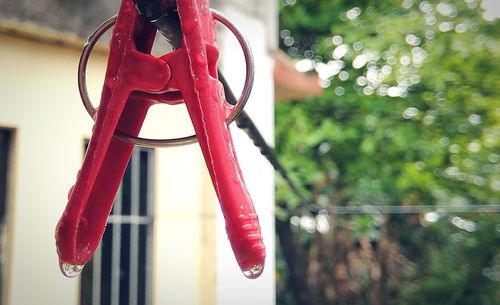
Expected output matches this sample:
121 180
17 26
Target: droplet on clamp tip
71 270
254 271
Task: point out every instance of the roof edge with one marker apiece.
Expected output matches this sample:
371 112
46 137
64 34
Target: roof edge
37 33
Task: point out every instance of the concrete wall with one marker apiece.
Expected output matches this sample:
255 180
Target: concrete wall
39 99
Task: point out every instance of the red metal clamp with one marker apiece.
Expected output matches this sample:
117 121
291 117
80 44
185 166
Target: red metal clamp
134 81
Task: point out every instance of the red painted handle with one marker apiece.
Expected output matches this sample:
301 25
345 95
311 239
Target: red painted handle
190 70
207 107
82 224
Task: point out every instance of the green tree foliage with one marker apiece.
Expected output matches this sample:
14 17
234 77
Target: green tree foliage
410 116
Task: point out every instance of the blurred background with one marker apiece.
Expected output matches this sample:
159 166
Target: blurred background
400 155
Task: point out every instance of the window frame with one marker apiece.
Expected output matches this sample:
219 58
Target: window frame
6 199
129 222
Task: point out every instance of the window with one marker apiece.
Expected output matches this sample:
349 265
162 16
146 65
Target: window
5 143
120 271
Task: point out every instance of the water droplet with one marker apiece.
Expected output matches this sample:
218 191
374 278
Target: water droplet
343 75
340 51
358 46
200 59
285 33
289 41
337 39
254 272
339 91
353 13
70 192
71 270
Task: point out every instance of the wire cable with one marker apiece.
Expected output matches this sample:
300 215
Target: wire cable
244 122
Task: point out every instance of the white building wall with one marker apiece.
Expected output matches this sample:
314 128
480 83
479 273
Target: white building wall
257 21
38 98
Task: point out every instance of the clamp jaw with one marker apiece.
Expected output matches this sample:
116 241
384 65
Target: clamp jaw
134 81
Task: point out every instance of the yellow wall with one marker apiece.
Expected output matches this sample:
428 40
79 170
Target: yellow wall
39 98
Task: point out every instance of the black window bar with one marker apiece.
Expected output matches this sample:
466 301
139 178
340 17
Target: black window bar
120 273
5 148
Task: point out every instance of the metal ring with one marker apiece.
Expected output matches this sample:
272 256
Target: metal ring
238 108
